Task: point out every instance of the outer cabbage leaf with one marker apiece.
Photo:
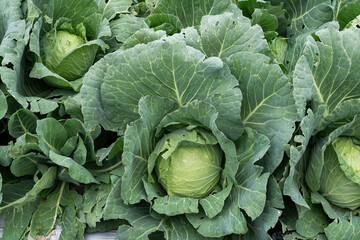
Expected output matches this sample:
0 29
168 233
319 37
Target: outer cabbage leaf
298 158
225 34
138 147
110 8
44 217
327 74
189 12
344 229
303 19
19 194
11 30
268 105
258 229
125 26
138 216
17 220
346 13
21 122
166 68
305 15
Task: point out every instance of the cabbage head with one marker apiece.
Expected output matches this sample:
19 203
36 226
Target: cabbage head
334 167
66 39
191 169
57 45
340 177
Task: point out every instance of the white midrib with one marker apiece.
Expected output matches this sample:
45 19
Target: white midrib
175 84
58 202
22 125
256 108
321 98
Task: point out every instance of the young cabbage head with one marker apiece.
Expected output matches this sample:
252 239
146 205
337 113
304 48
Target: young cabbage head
190 163
340 177
56 48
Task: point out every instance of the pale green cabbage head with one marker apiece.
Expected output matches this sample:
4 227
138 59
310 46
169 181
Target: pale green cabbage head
56 49
340 178
192 169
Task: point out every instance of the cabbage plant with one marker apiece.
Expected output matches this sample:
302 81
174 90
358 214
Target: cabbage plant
12 28
65 40
41 163
201 136
322 177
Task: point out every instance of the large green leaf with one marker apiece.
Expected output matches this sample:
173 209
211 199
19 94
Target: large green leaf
172 206
190 12
305 15
304 18
167 68
18 194
11 30
72 226
138 145
137 215
229 220
78 12
311 221
45 182
14 193
76 171
143 35
332 211
258 229
181 229
327 73
267 21
44 218
52 135
344 229
251 184
21 122
110 8
268 105
297 162
125 26
27 164
95 197
17 221
225 34
348 12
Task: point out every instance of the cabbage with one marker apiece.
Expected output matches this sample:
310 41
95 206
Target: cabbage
190 171
340 176
57 46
